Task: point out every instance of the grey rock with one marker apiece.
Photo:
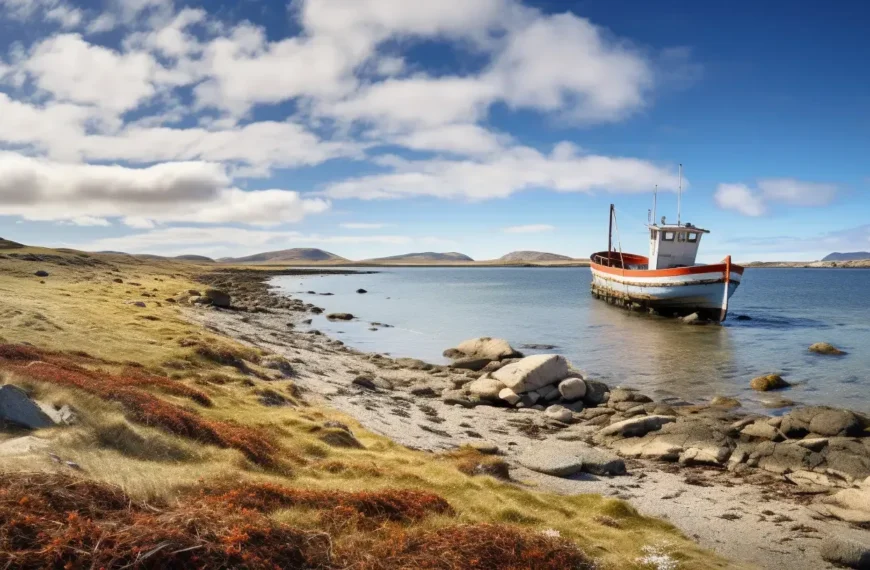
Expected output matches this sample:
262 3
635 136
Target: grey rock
618 395
597 393
509 396
572 389
486 388
562 459
18 409
475 364
846 553
366 382
361 291
533 372
339 317
488 348
41 273
559 413
636 427
762 430
218 298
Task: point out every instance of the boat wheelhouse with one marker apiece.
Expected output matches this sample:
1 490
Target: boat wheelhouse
670 281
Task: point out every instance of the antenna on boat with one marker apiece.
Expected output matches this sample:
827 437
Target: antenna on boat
680 195
655 201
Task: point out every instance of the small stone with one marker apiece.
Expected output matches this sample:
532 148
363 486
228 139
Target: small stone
509 396
725 402
825 348
361 291
485 447
636 427
41 273
486 388
339 317
559 413
366 382
768 382
218 298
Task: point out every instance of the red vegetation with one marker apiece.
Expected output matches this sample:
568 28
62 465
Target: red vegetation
56 521
479 547
397 505
140 405
53 521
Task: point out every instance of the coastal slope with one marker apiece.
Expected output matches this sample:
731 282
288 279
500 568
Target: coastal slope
848 256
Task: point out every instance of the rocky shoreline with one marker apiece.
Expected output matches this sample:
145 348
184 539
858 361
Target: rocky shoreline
758 489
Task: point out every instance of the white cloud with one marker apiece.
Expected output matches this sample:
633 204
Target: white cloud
797 192
199 192
104 22
756 202
67 16
74 70
467 139
90 221
529 229
566 64
740 198
362 226
565 169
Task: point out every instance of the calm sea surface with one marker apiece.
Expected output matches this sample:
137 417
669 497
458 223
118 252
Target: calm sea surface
435 308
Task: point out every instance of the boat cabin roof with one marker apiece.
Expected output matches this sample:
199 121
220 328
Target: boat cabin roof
676 228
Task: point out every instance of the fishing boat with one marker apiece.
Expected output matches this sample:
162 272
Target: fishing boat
669 282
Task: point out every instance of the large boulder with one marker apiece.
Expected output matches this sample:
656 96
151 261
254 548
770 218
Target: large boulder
533 372
822 421
768 382
486 388
572 389
488 348
562 459
218 298
18 409
850 505
597 393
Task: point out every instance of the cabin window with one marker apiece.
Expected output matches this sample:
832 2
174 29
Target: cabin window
681 236
693 237
668 236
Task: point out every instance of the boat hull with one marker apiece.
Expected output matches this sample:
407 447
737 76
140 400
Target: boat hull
679 291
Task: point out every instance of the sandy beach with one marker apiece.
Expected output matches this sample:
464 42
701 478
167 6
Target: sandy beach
752 516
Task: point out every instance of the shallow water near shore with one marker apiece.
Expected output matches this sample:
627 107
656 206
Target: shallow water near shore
430 309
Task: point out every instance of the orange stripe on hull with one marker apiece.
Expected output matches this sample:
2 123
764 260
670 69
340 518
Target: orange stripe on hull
673 272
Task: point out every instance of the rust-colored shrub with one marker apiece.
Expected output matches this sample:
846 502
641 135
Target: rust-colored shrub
478 547
398 505
97 526
141 406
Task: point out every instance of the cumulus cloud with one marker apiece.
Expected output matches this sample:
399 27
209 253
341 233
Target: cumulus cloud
565 169
39 189
740 198
529 229
757 201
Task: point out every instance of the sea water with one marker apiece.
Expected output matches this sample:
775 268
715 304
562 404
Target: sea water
431 309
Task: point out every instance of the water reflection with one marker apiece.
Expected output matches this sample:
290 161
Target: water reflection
661 355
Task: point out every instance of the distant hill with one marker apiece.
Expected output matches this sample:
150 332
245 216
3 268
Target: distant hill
295 254
7 244
849 256
527 256
200 258
426 256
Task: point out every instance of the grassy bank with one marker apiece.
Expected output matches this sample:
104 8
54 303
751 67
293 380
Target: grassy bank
199 451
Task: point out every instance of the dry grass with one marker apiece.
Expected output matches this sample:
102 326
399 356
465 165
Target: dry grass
161 438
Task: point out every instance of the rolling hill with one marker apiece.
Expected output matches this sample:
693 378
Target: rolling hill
848 256
532 256
286 255
425 256
200 258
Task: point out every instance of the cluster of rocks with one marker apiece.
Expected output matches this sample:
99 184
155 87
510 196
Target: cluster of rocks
542 382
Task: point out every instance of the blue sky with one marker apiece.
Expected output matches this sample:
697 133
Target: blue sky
377 127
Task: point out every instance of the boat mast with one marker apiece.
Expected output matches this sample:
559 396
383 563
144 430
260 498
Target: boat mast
655 202
610 235
680 196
